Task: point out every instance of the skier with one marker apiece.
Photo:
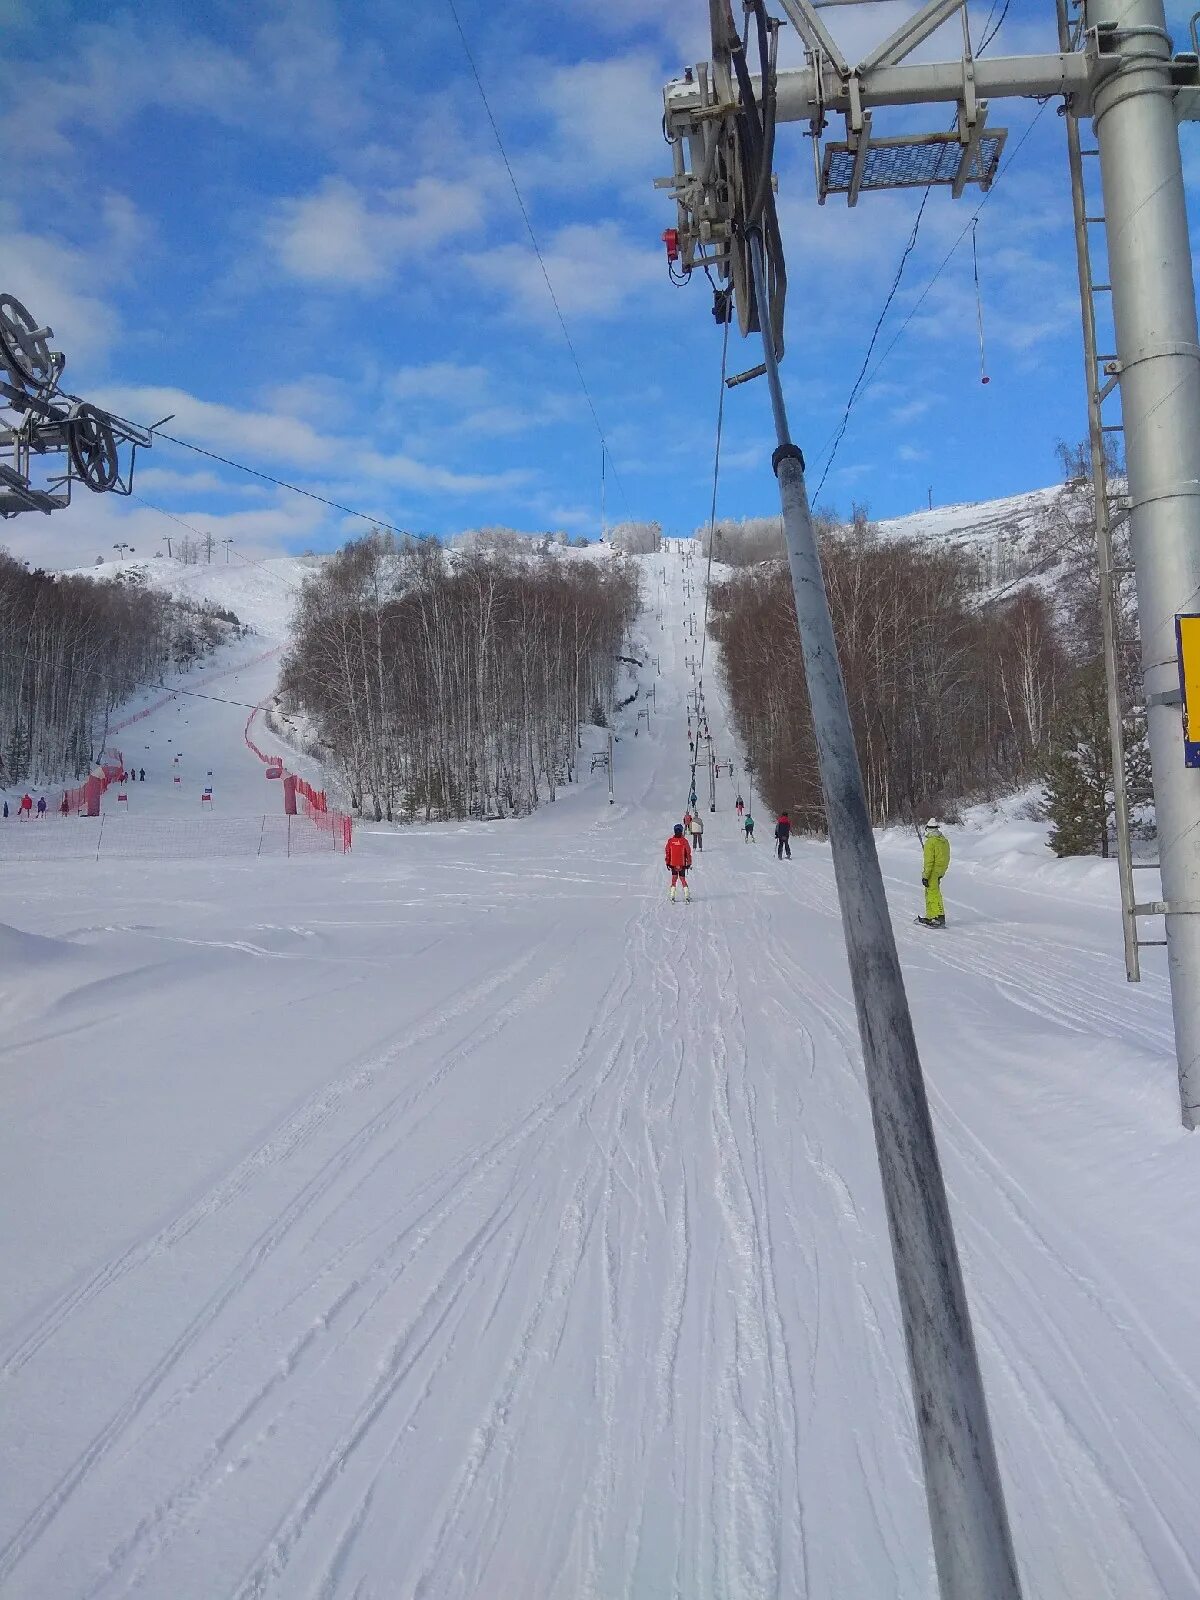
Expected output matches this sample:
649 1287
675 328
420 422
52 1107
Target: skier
64 806
934 865
6 808
741 807
783 837
25 809
697 832
41 807
141 774
687 822
678 857
749 828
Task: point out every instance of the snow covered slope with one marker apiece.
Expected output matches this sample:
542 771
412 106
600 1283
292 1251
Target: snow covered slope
261 593
460 1219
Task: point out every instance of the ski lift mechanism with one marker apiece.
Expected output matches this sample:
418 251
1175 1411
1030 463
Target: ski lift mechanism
48 424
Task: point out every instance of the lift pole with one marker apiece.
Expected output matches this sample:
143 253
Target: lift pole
1102 511
1154 313
971 1540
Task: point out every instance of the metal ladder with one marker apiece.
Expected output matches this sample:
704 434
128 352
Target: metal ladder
1111 508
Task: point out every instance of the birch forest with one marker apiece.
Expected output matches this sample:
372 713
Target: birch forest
950 699
454 684
72 649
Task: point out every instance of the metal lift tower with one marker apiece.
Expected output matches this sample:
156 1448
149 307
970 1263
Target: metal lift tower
1116 66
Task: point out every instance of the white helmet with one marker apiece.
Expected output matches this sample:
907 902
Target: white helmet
933 823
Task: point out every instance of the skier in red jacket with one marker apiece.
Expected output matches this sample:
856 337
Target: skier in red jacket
678 858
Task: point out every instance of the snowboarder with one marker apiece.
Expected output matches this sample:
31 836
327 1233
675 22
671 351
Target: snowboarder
25 809
749 825
41 807
697 832
783 836
678 857
741 807
935 863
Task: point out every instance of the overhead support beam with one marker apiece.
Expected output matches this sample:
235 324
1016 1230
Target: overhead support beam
912 31
999 78
860 160
970 154
803 17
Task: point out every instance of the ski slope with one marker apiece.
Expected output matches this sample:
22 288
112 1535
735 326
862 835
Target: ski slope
459 1218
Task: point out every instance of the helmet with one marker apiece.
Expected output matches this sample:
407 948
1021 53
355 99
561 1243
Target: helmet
933 823
679 827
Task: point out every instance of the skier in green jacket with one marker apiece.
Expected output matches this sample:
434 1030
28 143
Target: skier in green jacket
934 865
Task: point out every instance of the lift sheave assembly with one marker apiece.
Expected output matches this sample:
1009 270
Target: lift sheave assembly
52 439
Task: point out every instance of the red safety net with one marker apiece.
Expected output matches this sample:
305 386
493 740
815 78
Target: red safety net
311 803
75 800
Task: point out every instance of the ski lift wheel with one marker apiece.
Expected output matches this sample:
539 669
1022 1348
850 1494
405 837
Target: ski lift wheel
92 446
23 343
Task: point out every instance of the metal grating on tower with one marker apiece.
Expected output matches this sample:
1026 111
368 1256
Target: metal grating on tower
912 161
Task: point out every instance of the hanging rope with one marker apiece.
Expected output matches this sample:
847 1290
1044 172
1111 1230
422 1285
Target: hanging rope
712 515
723 304
983 374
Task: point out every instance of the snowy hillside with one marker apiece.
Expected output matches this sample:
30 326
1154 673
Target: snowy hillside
459 1218
1010 523
262 594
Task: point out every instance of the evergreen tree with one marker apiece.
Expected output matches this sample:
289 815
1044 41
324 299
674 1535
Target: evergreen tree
1078 767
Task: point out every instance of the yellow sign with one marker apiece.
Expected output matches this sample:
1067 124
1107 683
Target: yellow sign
1187 634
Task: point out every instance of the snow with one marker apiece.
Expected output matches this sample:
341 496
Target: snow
262 594
1013 517
459 1218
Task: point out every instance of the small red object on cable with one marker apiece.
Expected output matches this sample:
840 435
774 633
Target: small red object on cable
671 239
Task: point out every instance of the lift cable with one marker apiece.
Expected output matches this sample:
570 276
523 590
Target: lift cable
201 533
712 517
870 377
282 483
537 250
830 448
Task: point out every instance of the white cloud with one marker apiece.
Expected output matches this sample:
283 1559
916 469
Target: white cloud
427 477
65 287
345 235
166 481
440 380
593 267
608 115
225 428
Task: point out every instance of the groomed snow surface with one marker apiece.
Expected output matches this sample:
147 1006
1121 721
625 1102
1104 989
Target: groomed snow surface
460 1218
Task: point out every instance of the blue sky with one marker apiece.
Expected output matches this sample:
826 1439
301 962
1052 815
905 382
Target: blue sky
288 223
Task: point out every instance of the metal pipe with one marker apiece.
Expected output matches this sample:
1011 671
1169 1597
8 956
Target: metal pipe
1108 609
800 96
971 1539
1154 313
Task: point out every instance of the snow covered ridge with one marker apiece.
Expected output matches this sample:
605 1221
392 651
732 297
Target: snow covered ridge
263 594
1004 540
